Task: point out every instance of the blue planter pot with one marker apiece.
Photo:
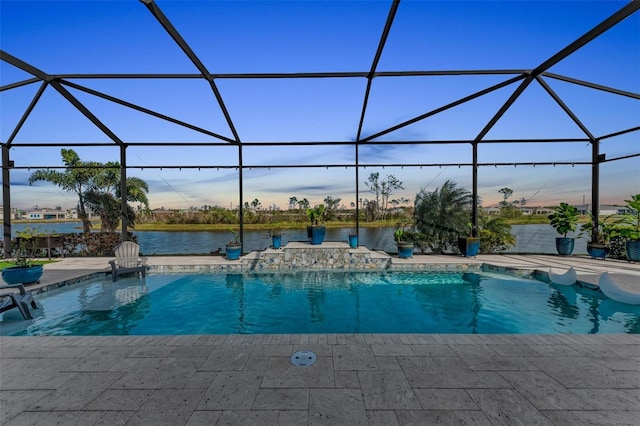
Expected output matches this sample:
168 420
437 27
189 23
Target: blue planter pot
469 246
233 251
597 251
316 234
276 241
19 275
405 250
353 241
633 250
564 246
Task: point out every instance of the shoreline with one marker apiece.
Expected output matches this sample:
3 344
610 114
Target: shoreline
186 227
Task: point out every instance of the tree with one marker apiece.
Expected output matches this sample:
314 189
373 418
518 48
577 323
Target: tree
77 178
331 206
442 215
509 209
383 190
373 183
104 196
303 204
506 193
387 189
495 234
98 188
293 201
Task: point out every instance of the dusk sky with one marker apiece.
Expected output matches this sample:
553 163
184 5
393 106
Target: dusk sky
74 37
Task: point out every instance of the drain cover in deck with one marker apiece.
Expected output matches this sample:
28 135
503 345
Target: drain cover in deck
303 358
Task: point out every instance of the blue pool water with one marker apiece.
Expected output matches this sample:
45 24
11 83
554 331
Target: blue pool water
322 302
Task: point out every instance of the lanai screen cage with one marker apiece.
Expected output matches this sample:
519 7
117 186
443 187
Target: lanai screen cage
261 96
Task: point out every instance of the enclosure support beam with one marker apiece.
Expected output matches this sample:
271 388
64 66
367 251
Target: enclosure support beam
241 195
370 77
6 200
474 207
123 192
595 185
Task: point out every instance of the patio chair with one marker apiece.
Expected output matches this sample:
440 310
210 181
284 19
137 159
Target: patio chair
127 260
20 300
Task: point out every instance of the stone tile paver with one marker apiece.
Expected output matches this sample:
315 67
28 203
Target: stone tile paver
446 399
281 399
387 390
78 392
232 390
281 374
159 373
167 407
204 418
238 380
382 418
336 407
544 392
120 399
507 407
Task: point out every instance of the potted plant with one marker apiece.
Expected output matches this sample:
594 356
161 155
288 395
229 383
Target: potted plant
564 220
24 269
353 239
404 241
316 231
276 237
629 228
469 245
233 247
599 236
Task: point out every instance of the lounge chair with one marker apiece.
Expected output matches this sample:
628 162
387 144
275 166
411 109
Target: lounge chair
127 260
570 277
20 300
615 292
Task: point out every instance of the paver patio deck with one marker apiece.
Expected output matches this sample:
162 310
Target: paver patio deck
358 379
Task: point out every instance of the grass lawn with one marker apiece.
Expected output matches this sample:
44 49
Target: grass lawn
6 264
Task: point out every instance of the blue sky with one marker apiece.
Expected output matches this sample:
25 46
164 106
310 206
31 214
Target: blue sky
72 37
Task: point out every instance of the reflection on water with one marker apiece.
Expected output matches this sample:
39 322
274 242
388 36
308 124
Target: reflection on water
323 302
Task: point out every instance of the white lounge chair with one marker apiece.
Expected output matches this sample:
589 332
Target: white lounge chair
570 277
127 260
614 292
9 299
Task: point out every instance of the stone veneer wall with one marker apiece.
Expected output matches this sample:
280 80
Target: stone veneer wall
323 257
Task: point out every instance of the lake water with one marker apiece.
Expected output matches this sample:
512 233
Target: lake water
529 238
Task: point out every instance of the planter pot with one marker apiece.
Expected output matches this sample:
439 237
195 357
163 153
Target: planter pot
234 251
20 275
469 246
353 241
633 250
564 246
597 250
276 241
316 234
405 250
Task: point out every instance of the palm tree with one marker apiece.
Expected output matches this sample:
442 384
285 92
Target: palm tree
495 234
98 187
104 196
442 215
76 178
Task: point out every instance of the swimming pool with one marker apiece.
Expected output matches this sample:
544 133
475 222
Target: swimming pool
322 302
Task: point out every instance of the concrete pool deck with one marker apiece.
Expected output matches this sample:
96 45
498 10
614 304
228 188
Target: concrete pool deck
358 379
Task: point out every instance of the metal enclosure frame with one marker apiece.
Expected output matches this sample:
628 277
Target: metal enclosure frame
523 78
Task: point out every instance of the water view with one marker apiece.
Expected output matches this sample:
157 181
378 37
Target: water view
529 238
